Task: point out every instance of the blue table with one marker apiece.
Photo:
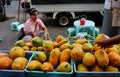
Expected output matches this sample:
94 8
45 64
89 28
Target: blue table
88 25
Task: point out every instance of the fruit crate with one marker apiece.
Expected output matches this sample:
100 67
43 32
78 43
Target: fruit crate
54 73
95 74
14 73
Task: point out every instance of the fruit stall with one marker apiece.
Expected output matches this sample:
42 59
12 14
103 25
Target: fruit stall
60 58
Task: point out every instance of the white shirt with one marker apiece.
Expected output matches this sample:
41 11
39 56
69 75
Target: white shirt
111 3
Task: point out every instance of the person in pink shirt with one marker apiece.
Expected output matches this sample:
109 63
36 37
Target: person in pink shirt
33 25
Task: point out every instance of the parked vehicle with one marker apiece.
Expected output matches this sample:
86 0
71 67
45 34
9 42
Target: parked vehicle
64 11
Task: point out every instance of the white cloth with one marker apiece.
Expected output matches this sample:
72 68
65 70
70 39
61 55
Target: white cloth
107 4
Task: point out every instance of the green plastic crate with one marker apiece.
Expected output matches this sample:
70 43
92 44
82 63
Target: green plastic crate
14 73
95 74
48 74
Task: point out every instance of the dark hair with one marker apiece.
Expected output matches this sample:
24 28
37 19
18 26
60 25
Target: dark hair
32 10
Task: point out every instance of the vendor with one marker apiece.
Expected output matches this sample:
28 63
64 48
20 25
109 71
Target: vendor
33 25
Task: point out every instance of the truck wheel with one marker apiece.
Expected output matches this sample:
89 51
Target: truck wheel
63 19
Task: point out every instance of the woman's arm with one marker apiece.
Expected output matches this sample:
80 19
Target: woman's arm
44 28
45 32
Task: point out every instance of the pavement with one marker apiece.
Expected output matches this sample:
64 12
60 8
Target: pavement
9 37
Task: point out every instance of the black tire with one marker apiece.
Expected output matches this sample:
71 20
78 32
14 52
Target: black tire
63 19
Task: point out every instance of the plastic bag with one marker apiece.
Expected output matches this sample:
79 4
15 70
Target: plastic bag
20 34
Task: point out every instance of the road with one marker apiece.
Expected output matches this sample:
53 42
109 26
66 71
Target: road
9 37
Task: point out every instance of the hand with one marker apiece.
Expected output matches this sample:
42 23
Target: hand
103 43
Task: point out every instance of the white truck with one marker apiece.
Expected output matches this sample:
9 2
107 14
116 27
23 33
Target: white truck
64 11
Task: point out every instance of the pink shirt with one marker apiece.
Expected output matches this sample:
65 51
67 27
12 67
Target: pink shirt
29 26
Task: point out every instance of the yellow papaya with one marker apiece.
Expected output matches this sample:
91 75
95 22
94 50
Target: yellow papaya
77 54
62 42
65 55
101 58
54 56
59 38
19 43
47 67
64 67
34 65
48 45
65 45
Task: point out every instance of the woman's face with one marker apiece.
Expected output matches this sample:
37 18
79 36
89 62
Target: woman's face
34 16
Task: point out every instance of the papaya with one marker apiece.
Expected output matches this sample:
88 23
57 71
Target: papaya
114 58
3 54
54 56
29 44
5 62
19 63
62 42
87 47
81 67
88 59
34 65
96 47
65 55
48 45
96 68
55 44
100 37
65 45
37 41
81 41
26 48
20 43
112 49
47 67
40 56
33 48
101 58
76 44
40 48
64 67
16 52
111 68
77 54
59 38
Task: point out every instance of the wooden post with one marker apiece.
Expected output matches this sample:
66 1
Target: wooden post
18 10
25 9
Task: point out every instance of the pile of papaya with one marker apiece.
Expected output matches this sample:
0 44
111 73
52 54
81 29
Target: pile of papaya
86 56
14 59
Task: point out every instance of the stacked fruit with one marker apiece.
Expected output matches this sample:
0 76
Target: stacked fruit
95 58
14 59
87 56
55 56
